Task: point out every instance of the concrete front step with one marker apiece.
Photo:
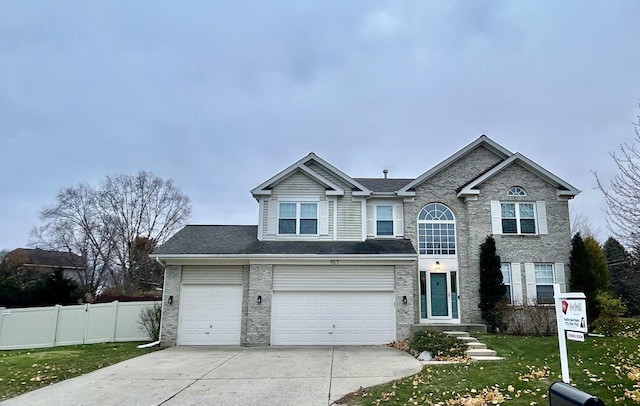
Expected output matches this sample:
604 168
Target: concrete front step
457 334
476 345
468 339
480 352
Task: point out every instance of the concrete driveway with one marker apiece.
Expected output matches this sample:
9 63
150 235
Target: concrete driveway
230 376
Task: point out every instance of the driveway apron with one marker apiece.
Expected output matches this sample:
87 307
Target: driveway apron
230 376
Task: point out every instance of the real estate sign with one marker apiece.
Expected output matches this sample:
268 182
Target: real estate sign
571 318
574 315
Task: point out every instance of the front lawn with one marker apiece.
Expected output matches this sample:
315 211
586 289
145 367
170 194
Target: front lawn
605 367
25 370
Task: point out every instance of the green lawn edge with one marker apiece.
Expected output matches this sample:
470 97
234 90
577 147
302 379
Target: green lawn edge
22 371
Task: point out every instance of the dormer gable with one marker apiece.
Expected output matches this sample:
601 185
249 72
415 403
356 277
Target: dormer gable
483 141
564 190
304 166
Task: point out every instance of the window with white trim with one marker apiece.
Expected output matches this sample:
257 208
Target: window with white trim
516 191
544 277
518 218
505 268
436 230
384 220
298 218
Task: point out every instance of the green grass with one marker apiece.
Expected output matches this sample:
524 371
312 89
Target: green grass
25 370
603 367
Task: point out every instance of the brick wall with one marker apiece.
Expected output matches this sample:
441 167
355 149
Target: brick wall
259 323
169 327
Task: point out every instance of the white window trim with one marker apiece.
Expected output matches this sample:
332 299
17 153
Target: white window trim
298 204
539 210
370 222
510 284
455 231
375 220
517 218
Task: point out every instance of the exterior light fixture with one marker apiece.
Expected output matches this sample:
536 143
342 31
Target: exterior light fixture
437 265
259 299
404 299
170 300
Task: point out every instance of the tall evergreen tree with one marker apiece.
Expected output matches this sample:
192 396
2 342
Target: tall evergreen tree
624 282
492 289
581 279
597 263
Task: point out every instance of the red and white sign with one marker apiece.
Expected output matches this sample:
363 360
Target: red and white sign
574 315
575 336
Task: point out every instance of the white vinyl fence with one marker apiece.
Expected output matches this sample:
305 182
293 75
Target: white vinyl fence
38 327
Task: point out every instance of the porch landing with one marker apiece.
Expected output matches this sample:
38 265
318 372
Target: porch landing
469 328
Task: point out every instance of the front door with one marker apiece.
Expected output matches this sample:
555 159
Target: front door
439 296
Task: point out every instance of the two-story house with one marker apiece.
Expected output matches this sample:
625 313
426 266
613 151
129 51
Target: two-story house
342 260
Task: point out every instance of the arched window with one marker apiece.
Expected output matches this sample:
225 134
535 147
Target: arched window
436 230
516 191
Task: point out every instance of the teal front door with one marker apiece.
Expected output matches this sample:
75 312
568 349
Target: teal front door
438 285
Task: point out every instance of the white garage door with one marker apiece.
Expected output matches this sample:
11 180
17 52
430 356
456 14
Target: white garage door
210 315
328 318
333 306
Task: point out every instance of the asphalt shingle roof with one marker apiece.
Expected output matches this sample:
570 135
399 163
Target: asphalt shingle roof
242 240
383 185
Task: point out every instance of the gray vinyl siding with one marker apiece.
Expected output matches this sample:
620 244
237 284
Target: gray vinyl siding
298 184
349 211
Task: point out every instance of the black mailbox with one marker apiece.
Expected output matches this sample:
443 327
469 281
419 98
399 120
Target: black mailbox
562 394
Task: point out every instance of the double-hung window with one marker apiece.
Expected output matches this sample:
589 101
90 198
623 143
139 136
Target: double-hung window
505 267
545 278
518 218
298 218
384 220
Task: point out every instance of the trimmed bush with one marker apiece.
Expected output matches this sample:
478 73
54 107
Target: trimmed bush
438 344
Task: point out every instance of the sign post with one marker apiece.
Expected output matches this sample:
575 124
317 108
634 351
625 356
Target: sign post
571 319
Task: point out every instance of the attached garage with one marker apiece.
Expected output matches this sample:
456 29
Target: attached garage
333 306
210 307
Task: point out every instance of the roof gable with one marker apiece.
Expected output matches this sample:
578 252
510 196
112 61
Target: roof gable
564 189
264 189
483 140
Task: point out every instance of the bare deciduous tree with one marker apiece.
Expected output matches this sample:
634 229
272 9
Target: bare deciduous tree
623 195
102 225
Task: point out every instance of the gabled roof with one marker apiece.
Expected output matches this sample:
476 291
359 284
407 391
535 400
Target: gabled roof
483 140
44 258
239 241
565 189
382 185
301 165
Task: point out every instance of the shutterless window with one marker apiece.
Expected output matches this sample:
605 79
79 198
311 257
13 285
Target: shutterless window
436 230
505 267
518 218
516 191
384 220
298 218
544 282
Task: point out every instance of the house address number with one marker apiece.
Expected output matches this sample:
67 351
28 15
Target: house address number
335 262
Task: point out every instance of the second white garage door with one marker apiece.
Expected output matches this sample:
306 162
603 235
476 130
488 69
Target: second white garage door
333 306
333 318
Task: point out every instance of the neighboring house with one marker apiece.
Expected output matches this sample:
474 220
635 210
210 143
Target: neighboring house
31 263
342 260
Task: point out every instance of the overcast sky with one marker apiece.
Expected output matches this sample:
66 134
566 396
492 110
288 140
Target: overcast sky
219 96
